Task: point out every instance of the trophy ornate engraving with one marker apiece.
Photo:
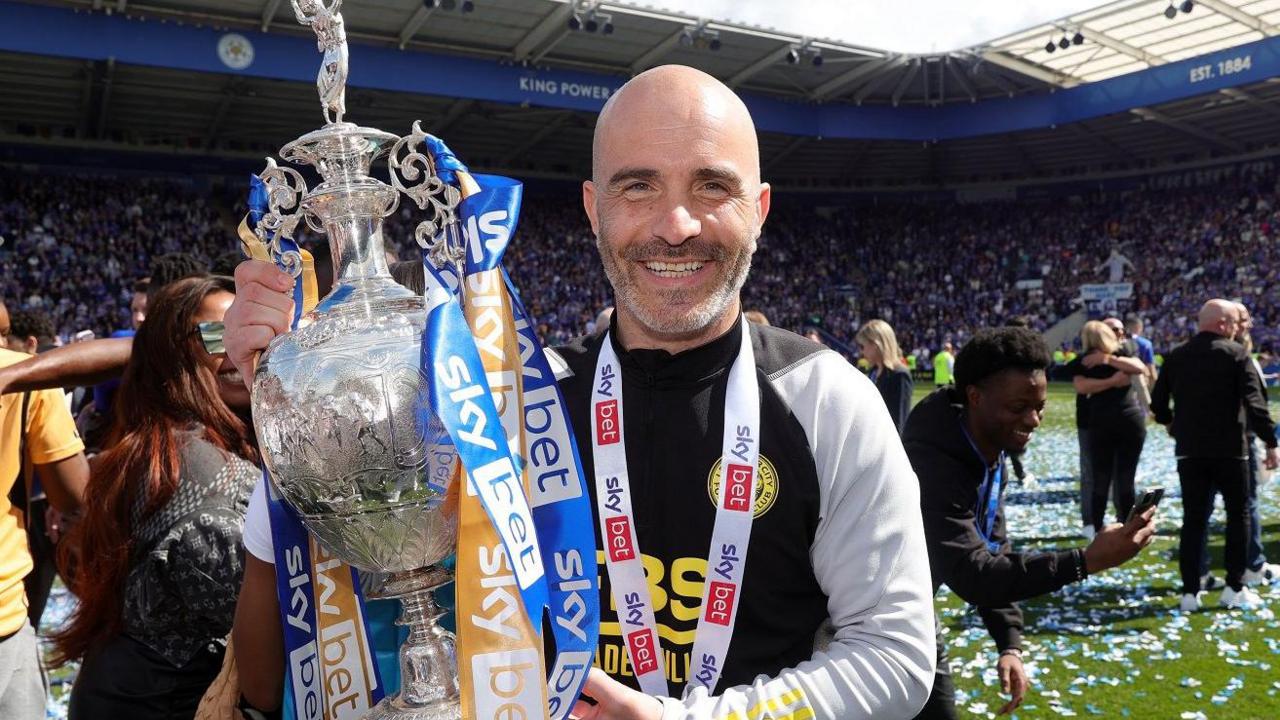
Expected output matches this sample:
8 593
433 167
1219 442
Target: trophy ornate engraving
340 404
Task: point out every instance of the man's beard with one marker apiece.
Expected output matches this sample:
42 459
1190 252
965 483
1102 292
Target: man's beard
671 313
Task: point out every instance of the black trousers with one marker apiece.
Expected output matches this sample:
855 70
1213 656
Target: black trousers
126 679
1114 450
1254 555
1200 478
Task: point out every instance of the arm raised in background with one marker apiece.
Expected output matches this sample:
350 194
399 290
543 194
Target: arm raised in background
82 363
1127 365
1090 386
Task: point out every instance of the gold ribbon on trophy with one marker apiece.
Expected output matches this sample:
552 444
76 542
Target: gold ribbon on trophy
491 618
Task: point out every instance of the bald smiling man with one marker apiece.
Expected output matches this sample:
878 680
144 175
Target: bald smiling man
797 581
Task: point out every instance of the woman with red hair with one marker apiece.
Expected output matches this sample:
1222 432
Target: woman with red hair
156 560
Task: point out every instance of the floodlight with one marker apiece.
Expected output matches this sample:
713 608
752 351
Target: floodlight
429 4
1171 12
817 59
468 6
793 57
1186 6
575 23
686 37
1049 47
1064 43
714 44
1077 39
607 27
591 25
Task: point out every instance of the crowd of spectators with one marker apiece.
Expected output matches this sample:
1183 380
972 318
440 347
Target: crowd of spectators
939 271
73 246
934 270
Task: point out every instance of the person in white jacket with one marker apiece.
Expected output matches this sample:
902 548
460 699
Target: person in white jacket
801 590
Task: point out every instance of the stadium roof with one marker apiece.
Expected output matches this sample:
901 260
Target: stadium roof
1117 38
1130 35
50 99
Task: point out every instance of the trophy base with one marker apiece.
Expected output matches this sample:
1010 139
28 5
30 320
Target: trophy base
392 709
428 658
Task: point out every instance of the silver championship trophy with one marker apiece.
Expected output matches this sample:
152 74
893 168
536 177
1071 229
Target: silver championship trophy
340 403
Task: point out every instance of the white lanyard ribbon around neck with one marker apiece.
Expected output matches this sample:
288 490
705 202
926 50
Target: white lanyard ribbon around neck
729 537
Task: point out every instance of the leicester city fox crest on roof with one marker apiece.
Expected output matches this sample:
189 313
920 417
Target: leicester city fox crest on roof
235 51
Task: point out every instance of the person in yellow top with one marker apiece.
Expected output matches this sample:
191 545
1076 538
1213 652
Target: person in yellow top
943 365
38 427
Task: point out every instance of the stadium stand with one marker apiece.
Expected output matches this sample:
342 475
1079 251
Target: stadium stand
934 270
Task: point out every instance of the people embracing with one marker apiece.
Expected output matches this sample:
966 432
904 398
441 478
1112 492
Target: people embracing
833 600
1103 377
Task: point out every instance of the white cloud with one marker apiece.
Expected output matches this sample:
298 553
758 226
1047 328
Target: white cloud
910 26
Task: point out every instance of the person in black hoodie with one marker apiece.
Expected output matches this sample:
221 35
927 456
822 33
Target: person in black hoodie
957 439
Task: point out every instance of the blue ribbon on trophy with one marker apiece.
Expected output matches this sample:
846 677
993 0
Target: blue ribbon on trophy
548 452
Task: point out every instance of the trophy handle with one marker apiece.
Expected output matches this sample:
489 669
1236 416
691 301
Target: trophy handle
413 173
285 190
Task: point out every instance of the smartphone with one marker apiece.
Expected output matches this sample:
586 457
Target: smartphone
1150 498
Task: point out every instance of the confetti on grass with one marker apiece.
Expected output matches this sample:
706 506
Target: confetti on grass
1117 645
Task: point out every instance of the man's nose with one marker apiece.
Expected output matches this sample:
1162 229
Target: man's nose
676 224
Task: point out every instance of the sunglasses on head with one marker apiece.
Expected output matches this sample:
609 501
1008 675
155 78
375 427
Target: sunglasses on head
211 336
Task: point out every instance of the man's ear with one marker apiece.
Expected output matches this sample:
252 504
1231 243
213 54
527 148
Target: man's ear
972 395
763 203
589 204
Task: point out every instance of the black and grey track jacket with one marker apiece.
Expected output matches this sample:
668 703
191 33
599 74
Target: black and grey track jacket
837 543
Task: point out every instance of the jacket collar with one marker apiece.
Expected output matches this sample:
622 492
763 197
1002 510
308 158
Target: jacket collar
691 366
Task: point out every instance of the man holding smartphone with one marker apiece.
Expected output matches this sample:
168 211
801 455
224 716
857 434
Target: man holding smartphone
957 440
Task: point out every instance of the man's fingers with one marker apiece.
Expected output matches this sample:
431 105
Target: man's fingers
255 338
1004 678
583 710
264 273
1141 520
1145 536
259 294
599 685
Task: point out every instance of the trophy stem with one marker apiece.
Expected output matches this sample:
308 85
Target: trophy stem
428 660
